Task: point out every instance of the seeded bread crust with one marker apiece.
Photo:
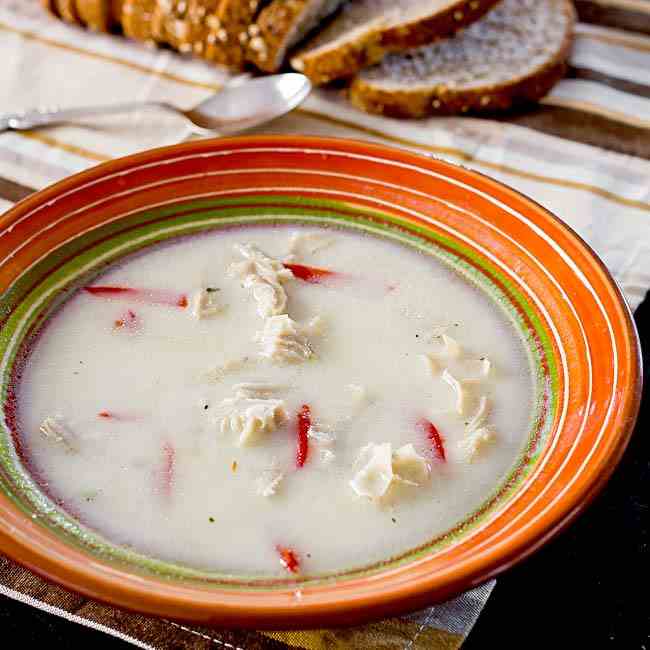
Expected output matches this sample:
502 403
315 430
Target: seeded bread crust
191 26
276 25
136 18
213 29
422 101
170 23
95 14
204 41
442 25
68 11
235 19
345 59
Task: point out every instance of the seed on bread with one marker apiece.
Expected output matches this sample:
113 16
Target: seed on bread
513 55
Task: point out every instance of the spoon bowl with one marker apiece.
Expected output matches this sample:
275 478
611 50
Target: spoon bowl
242 106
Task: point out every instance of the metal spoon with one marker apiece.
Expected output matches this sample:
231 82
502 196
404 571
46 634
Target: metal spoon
233 109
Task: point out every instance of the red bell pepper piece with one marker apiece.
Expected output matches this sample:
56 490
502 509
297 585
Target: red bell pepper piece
151 296
304 423
129 321
311 274
434 436
289 559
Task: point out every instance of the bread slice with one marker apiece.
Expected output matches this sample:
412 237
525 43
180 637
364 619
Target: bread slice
366 30
67 10
95 14
514 55
283 24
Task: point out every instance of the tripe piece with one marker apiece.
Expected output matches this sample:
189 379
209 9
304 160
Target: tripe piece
430 363
205 304
474 441
217 374
360 397
54 429
376 473
458 390
409 466
320 437
269 481
251 417
478 419
452 348
256 389
381 467
309 242
314 327
264 276
475 371
282 340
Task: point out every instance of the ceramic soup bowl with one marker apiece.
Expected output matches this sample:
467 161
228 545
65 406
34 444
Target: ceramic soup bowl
569 310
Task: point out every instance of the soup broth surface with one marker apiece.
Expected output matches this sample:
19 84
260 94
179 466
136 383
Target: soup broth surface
128 409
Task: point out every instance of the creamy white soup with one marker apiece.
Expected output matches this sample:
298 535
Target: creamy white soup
278 399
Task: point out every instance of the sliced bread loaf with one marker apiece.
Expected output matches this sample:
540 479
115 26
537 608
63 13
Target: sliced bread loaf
136 18
366 30
216 30
67 11
283 24
50 6
514 55
95 14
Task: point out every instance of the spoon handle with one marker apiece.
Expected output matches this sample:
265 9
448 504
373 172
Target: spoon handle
45 116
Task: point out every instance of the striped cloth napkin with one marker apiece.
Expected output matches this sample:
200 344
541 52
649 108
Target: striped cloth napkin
603 194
